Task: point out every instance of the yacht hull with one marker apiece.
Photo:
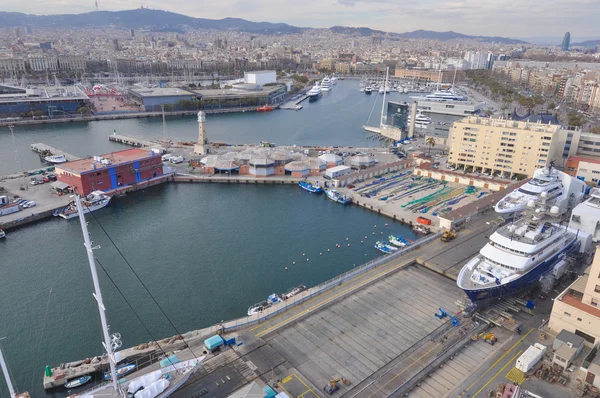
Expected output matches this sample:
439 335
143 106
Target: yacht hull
524 282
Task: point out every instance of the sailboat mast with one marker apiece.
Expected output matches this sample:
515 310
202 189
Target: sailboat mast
454 79
11 389
98 293
384 90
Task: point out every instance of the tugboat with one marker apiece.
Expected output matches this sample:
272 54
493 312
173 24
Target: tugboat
337 197
265 108
310 186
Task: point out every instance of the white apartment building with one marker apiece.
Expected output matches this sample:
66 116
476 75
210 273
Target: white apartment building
12 65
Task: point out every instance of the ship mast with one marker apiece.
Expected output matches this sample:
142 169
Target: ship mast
11 389
98 294
384 90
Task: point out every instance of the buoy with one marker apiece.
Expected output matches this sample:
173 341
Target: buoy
385 225
307 259
303 254
361 241
348 244
373 233
320 254
294 263
365 237
346 238
327 249
381 233
286 268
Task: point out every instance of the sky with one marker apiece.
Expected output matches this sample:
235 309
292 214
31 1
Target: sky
525 18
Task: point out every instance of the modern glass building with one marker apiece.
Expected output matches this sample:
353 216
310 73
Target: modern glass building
566 41
398 114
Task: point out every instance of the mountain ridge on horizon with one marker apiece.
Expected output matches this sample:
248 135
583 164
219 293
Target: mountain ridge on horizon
168 21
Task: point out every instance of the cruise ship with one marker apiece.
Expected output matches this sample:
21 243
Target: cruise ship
326 84
557 186
315 92
519 254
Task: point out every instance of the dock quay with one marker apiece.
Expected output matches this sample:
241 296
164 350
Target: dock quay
132 141
43 148
294 104
234 179
328 331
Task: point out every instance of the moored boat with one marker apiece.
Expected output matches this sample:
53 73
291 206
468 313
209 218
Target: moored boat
368 90
55 159
309 186
258 308
315 92
337 197
78 381
421 229
265 108
2 234
398 241
293 292
122 370
382 247
274 298
92 202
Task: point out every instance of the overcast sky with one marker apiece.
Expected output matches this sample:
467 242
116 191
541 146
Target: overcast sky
524 18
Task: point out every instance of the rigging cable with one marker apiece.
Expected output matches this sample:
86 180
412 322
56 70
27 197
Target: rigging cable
41 337
372 108
130 306
143 284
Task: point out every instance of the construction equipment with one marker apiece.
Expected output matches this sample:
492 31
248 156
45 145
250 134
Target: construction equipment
448 235
489 338
332 386
442 314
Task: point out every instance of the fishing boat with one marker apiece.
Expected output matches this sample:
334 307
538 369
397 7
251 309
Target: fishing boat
293 292
382 247
309 186
337 197
78 381
55 159
398 241
121 371
92 202
421 229
258 308
265 108
274 298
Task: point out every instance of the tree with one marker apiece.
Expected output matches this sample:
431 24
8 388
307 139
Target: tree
430 141
595 130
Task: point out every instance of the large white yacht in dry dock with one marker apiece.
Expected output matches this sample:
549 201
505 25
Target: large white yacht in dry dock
558 186
522 252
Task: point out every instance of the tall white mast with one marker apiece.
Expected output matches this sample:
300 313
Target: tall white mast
98 294
384 90
11 389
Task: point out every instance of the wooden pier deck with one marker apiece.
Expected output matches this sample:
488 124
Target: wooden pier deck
40 148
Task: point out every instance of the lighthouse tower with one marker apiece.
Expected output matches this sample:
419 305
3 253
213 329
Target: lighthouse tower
201 147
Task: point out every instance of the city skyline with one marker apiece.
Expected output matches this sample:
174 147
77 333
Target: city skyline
497 18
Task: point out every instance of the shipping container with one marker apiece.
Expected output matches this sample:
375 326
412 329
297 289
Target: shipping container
214 342
424 220
9 209
531 357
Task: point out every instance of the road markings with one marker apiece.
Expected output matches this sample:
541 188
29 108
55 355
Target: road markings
499 359
496 375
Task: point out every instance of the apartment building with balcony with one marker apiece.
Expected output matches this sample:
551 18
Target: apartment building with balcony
504 147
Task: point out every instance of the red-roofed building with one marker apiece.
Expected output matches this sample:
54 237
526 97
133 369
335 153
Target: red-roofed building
584 168
110 171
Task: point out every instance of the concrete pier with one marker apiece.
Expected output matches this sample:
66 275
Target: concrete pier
132 141
41 148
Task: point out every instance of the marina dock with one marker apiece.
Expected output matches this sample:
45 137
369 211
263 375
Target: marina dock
132 141
294 104
43 148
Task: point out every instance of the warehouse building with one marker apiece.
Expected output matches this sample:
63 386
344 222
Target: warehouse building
260 78
110 171
46 101
153 98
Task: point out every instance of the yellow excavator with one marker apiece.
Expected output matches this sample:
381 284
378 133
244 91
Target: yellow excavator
448 235
332 386
489 338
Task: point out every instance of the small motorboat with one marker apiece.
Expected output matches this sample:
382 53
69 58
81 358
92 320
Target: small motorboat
2 234
274 299
257 308
382 247
55 159
121 371
78 381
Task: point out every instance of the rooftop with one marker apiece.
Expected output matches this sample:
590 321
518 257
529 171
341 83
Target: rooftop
509 123
116 158
233 93
160 92
11 94
584 159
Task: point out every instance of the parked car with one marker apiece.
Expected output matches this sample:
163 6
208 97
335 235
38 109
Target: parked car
29 204
36 182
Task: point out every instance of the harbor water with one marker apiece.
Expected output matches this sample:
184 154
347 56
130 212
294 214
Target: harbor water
335 119
206 252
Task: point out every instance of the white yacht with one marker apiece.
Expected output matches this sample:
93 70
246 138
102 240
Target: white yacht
381 90
444 95
519 254
96 200
421 121
556 185
586 216
326 84
55 159
333 80
315 92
